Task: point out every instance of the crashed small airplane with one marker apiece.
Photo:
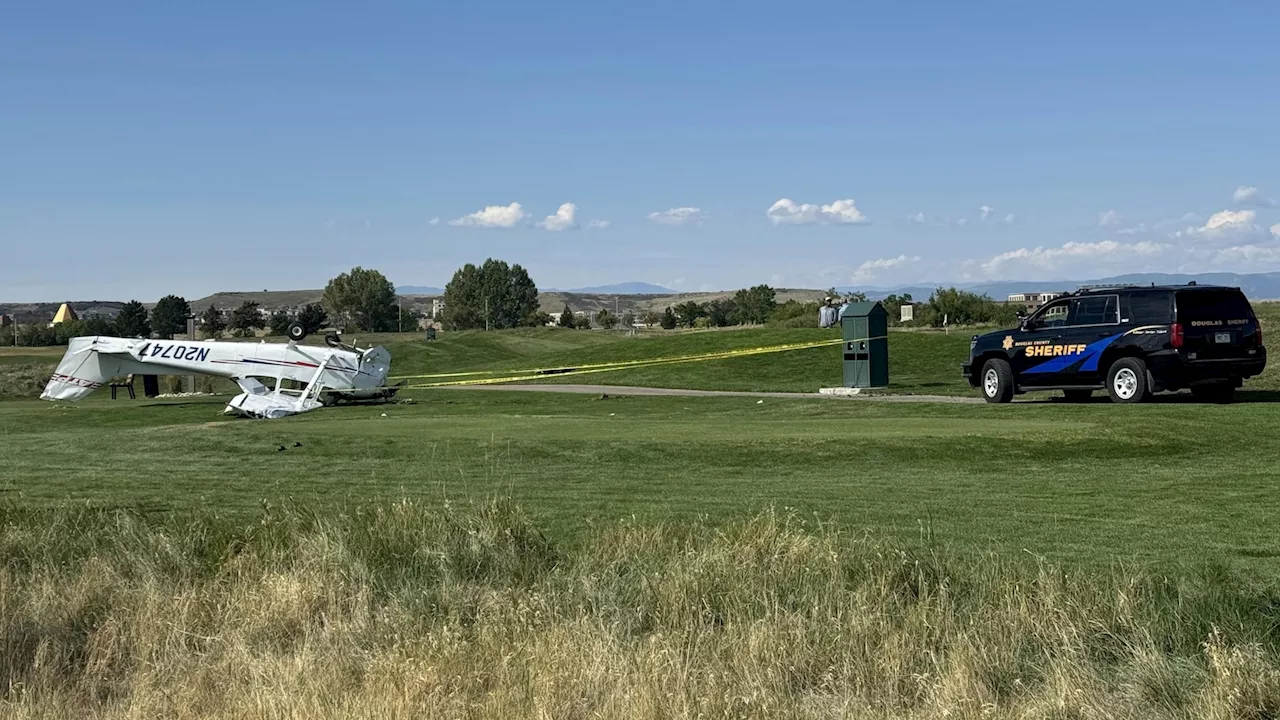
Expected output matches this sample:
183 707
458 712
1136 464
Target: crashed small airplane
338 372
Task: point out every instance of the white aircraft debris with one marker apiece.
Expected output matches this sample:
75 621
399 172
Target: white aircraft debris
330 374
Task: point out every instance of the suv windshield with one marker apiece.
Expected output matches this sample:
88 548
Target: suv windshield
1218 305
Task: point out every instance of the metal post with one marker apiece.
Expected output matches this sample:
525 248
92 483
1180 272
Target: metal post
190 380
486 314
400 312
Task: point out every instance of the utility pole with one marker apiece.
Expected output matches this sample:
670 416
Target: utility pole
400 312
486 314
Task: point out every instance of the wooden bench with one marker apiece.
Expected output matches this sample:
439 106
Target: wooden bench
127 385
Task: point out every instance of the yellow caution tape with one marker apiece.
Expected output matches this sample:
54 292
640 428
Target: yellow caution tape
542 373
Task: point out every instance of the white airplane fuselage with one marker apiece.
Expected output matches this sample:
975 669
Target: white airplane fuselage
91 361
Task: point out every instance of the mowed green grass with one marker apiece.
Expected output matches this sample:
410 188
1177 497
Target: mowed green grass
921 362
1164 483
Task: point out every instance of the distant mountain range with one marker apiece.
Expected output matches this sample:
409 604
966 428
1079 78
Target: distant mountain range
627 288
418 290
1257 286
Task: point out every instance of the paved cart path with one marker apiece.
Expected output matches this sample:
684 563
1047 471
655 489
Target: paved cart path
678 392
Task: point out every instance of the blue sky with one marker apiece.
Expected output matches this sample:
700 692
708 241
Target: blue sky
176 148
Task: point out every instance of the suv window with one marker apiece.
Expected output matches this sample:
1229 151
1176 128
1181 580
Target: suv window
1095 310
1053 316
1150 307
1220 305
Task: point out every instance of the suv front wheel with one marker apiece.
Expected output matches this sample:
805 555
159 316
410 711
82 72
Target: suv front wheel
1127 381
997 381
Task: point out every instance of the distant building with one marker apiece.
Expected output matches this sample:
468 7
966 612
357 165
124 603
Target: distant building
437 307
1033 300
64 314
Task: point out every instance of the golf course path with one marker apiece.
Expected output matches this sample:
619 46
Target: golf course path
678 392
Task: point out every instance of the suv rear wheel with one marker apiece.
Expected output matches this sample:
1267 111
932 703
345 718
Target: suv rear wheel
1219 391
1127 381
997 381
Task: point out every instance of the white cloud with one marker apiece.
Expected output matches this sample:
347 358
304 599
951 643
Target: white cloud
1109 218
1225 222
1249 195
1008 218
840 212
566 218
1135 230
985 210
598 224
1071 254
493 216
678 216
435 221
1246 257
1275 230
936 221
867 270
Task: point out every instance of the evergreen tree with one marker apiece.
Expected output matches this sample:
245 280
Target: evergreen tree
132 320
245 319
668 321
211 322
312 317
169 316
279 322
566 317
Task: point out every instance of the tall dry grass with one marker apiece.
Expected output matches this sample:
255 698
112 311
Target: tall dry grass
24 380
400 611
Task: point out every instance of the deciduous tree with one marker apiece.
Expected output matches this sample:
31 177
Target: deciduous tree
494 295
755 304
365 298
688 312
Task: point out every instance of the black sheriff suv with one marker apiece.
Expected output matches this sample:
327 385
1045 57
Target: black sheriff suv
1131 341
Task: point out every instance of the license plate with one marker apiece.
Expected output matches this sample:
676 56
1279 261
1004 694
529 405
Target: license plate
1222 337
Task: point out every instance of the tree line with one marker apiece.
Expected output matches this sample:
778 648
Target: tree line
494 295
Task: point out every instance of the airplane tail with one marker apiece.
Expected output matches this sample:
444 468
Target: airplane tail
81 371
